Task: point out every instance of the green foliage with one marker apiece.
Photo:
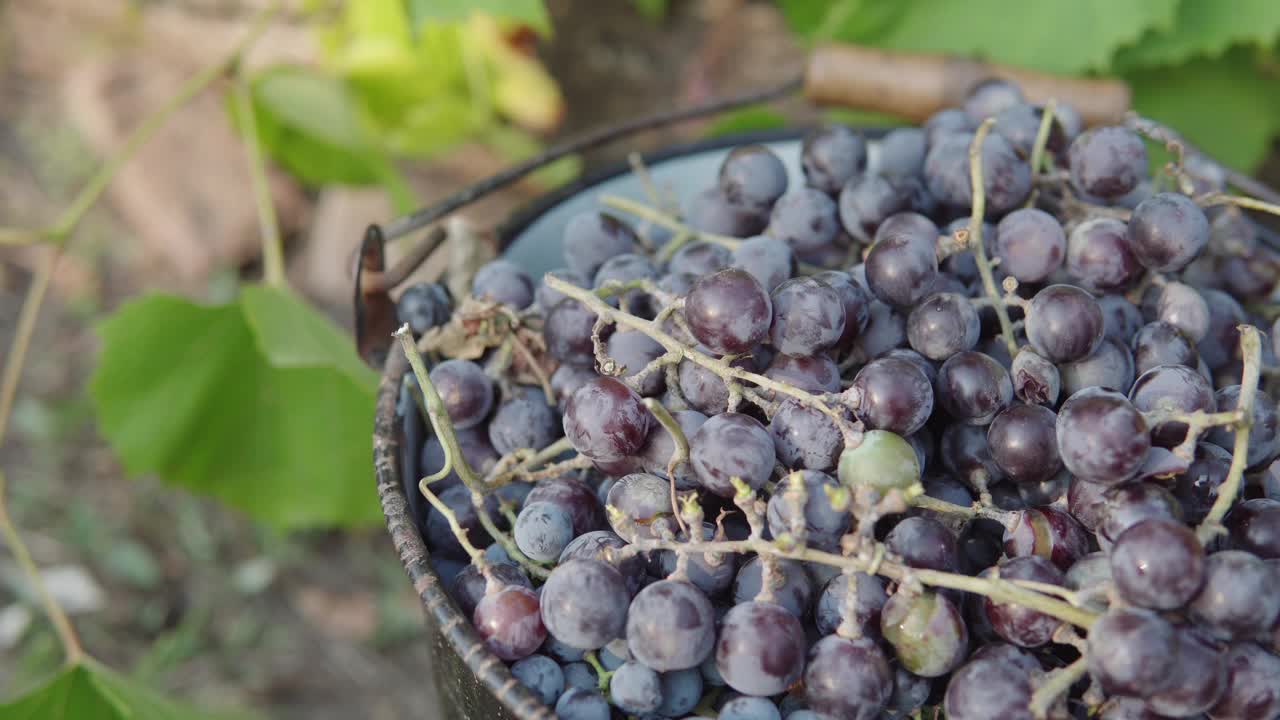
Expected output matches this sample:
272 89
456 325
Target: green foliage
654 10
530 12
746 120
1189 62
261 403
87 690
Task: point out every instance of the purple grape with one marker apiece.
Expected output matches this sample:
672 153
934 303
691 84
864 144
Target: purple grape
1185 308
641 499
503 281
731 445
1159 343
681 691
823 525
832 155
1035 379
1098 255
1196 488
1131 503
927 632
1253 684
1107 161
811 373
633 350
439 534
605 420
769 260
1020 125
710 211
424 306
580 704
965 453
808 317
1006 178
988 687
1030 244
948 121
902 264
700 258
584 603
923 542
1133 652
807 220
542 530
1091 576
885 331
752 176
1016 623
829 610
848 678
1064 323
525 420
942 325
728 311
1237 601
1264 433
1048 533
709 572
542 675
805 438
761 648
548 297
902 152
746 707
1158 564
1254 526
1023 443
591 238
658 449
670 626
468 587
1220 345
1172 387
1110 367
973 388
794 590
704 390
567 332
509 622
596 545
891 394
566 380
625 269
635 689
990 97
1101 436
1121 318
466 391
1167 231
866 200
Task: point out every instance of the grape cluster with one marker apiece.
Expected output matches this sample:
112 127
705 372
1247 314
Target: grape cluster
937 429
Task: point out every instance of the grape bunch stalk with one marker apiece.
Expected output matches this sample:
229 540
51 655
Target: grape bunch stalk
977 422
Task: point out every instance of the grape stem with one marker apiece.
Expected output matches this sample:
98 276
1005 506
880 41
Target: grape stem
477 556
975 234
602 676
1251 351
977 510
1058 682
1197 422
453 456
678 455
1042 138
1248 203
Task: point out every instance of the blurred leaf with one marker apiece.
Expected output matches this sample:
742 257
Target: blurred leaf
529 12
518 145
847 20
1205 28
260 403
89 691
306 122
1225 105
746 120
654 10
861 118
131 561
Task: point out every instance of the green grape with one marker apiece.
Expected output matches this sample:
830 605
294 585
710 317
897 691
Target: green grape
883 461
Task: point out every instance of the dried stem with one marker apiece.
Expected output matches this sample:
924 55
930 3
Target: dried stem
975 234
678 456
917 498
1058 682
1239 201
1251 351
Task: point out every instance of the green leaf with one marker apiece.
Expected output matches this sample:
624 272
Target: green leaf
848 20
1224 105
259 403
1205 28
653 10
746 120
530 12
89 691
308 123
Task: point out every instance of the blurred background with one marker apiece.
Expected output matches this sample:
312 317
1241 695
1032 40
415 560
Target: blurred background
205 517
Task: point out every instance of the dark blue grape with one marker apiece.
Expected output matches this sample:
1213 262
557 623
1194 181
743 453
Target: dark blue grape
633 351
1020 125
542 675
635 689
731 445
866 200
567 332
811 373
671 626
591 238
1201 677
829 610
823 525
424 305
794 590
769 260
1158 564
752 176
1006 178
729 311
542 531
886 330
524 421
581 704
466 391
805 438
848 678
946 122
594 545
1101 436
902 152
925 543
503 281
1185 308
710 211
806 220
973 387
808 317
903 264
831 155
1167 231
1159 343
761 648
681 691
1253 684
1132 652
749 708
1110 367
942 325
605 420
440 536
1030 244
548 297
624 269
1254 526
642 499
1107 161
1238 601
989 687
990 97
700 258
1098 256
1264 433
584 603
509 622
1171 387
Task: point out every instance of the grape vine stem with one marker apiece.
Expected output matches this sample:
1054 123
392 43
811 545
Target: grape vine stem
1251 350
1058 682
975 234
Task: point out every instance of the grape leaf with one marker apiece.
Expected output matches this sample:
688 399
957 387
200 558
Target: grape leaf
88 690
1053 36
1205 28
848 20
745 120
1223 105
259 403
530 12
653 10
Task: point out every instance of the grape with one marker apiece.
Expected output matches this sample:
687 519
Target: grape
749 708
1110 367
605 420
823 525
848 678
1006 178
704 390
1030 244
1167 231
508 622
866 200
1219 346
548 297
728 311
1023 443
1048 533
965 452
1253 685
1126 708
1264 433
1098 255
903 264
1172 387
581 704
503 281
566 380
769 260
440 536
1132 651
942 325
1185 308
891 394
752 176
1090 576
1238 601
924 543
1107 161
1064 323
1087 503
885 330
1035 379
657 451
794 589
542 675
805 438
987 688
466 391
1132 503
1158 564
584 603
424 306
542 531
524 421
902 152
731 445
591 238
633 351
1121 318
700 258
832 155
1159 343
1254 525
681 690
1196 488
670 626
593 546
761 648
829 610
575 498
614 654
468 586
807 220
973 387
476 450
811 373
579 675
641 498
882 461
567 332
1016 623
990 97
1102 438
635 689
945 122
921 362
808 317
710 211
926 631
625 269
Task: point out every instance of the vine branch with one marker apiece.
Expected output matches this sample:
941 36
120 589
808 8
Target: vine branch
975 234
1251 350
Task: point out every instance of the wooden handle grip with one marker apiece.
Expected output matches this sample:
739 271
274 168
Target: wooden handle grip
917 85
